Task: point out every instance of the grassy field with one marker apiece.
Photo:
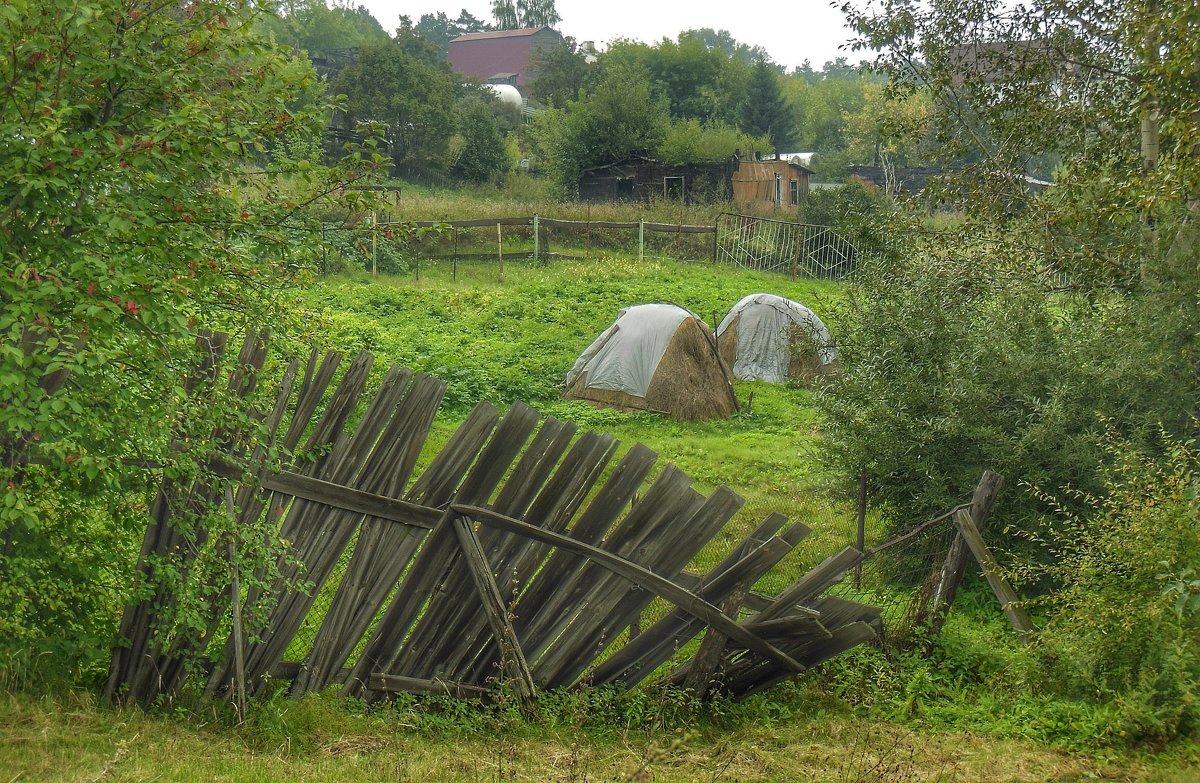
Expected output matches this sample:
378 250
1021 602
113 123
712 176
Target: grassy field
322 739
516 339
970 712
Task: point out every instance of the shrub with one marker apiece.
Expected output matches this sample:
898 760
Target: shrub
1119 629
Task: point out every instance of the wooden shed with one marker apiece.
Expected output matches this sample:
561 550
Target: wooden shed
779 182
643 179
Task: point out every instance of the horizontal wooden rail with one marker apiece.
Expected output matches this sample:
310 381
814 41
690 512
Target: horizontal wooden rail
648 580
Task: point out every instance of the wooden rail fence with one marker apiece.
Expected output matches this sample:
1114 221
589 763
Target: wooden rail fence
518 558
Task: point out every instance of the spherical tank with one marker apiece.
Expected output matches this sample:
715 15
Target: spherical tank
508 95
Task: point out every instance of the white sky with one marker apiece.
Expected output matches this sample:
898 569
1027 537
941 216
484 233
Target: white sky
790 32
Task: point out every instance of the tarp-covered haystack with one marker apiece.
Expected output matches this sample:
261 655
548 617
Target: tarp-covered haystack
771 338
656 357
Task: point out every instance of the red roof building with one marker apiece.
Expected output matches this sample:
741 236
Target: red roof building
502 56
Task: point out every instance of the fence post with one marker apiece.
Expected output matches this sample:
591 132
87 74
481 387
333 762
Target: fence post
374 245
500 250
454 260
715 236
860 540
641 239
536 240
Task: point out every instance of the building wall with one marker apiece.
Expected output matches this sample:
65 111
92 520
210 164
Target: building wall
754 182
483 57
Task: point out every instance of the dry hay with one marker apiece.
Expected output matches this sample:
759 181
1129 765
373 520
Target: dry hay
804 364
691 382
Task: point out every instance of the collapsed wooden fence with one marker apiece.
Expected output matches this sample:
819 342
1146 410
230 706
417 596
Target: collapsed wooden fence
520 558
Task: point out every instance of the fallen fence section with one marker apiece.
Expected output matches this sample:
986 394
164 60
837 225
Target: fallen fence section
518 559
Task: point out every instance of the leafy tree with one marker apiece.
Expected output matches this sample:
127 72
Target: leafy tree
1090 296
139 205
439 29
617 120
412 95
722 41
481 155
821 100
561 71
690 141
312 26
765 110
517 14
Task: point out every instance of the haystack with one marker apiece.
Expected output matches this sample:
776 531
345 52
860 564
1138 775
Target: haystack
771 338
655 357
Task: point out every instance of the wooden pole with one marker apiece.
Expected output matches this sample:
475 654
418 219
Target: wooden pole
861 537
991 571
950 576
641 239
587 252
239 645
374 245
536 238
454 260
500 250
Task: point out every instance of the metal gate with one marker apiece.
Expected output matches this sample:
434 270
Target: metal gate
795 249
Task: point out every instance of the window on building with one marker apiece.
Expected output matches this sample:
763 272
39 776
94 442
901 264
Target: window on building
673 187
794 191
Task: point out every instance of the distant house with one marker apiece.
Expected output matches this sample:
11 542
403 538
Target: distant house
781 182
643 179
501 56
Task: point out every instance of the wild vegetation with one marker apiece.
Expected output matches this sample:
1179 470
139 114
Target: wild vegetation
165 172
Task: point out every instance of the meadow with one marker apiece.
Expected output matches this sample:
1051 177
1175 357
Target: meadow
967 711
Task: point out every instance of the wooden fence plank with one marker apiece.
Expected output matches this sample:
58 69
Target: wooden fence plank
515 666
435 487
1009 602
665 588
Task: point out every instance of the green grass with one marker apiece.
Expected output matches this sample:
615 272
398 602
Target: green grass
516 339
71 738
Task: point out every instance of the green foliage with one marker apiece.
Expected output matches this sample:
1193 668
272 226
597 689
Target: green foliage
439 29
139 204
688 141
312 26
408 91
821 100
561 70
765 111
482 156
1125 622
616 121
516 14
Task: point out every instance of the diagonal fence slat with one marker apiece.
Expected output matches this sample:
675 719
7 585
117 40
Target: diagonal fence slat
506 560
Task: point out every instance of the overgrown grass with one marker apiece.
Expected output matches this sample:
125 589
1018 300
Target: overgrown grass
797 736
516 338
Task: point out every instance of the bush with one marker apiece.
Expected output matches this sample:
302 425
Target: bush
1125 624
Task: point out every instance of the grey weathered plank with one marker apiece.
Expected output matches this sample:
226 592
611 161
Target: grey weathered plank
383 549
434 487
1009 602
654 646
556 504
516 668
689 602
419 655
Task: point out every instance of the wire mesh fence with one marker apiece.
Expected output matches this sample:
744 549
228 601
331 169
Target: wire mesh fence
795 249
482 247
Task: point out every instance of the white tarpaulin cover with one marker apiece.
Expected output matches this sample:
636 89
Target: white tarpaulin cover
626 355
763 347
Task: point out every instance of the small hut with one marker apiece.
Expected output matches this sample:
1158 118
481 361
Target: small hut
771 338
655 357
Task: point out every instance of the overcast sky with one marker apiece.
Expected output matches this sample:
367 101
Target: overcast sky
790 32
